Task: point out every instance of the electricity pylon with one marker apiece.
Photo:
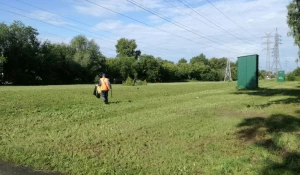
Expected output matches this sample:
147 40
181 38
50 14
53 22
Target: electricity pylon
228 71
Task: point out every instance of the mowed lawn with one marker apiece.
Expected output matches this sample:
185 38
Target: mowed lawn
176 128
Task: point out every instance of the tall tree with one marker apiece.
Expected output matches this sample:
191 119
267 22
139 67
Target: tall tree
87 54
127 48
148 68
20 47
293 20
126 67
198 59
182 60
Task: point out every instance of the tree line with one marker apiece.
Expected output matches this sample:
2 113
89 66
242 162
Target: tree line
25 60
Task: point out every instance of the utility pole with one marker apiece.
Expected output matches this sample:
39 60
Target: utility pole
268 48
228 71
276 60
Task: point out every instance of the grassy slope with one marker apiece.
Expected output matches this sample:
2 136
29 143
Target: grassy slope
154 129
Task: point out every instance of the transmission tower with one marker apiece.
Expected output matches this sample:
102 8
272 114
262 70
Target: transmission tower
228 71
276 60
268 49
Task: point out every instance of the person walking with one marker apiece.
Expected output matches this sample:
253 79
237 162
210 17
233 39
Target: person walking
105 86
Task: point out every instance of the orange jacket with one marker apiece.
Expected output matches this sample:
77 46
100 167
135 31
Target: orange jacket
104 84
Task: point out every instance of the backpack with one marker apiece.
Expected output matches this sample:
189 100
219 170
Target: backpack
96 91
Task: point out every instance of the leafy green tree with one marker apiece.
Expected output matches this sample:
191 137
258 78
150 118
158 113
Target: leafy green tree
218 63
293 21
58 66
182 60
20 47
87 54
125 65
148 67
262 74
234 71
127 48
168 71
184 71
294 75
197 70
198 59
113 69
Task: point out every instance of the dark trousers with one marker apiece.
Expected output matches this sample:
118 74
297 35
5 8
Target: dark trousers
104 96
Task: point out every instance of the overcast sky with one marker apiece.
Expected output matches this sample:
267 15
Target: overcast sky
170 29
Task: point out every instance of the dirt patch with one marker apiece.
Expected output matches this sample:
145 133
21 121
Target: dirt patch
10 169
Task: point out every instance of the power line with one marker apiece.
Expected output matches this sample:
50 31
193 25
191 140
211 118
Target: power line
230 18
149 25
53 20
188 6
52 34
142 22
170 4
58 26
175 23
90 25
63 37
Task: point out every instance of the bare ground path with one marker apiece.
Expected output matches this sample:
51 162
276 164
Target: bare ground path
9 169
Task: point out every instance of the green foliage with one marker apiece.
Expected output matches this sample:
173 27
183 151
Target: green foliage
262 74
201 59
126 48
148 68
145 82
2 59
20 47
294 76
182 60
31 62
125 65
290 77
129 82
28 61
293 22
140 83
97 78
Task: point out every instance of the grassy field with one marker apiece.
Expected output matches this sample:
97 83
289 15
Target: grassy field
154 129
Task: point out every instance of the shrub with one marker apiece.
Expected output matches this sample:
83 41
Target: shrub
96 80
129 82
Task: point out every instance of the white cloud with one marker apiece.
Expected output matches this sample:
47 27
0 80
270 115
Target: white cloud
99 8
108 25
256 17
48 17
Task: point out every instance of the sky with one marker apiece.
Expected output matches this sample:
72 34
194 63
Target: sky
170 29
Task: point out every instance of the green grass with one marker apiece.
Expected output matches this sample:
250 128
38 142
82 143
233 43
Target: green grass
154 129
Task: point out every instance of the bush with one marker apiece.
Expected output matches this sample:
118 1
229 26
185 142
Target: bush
139 83
96 80
290 77
129 82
